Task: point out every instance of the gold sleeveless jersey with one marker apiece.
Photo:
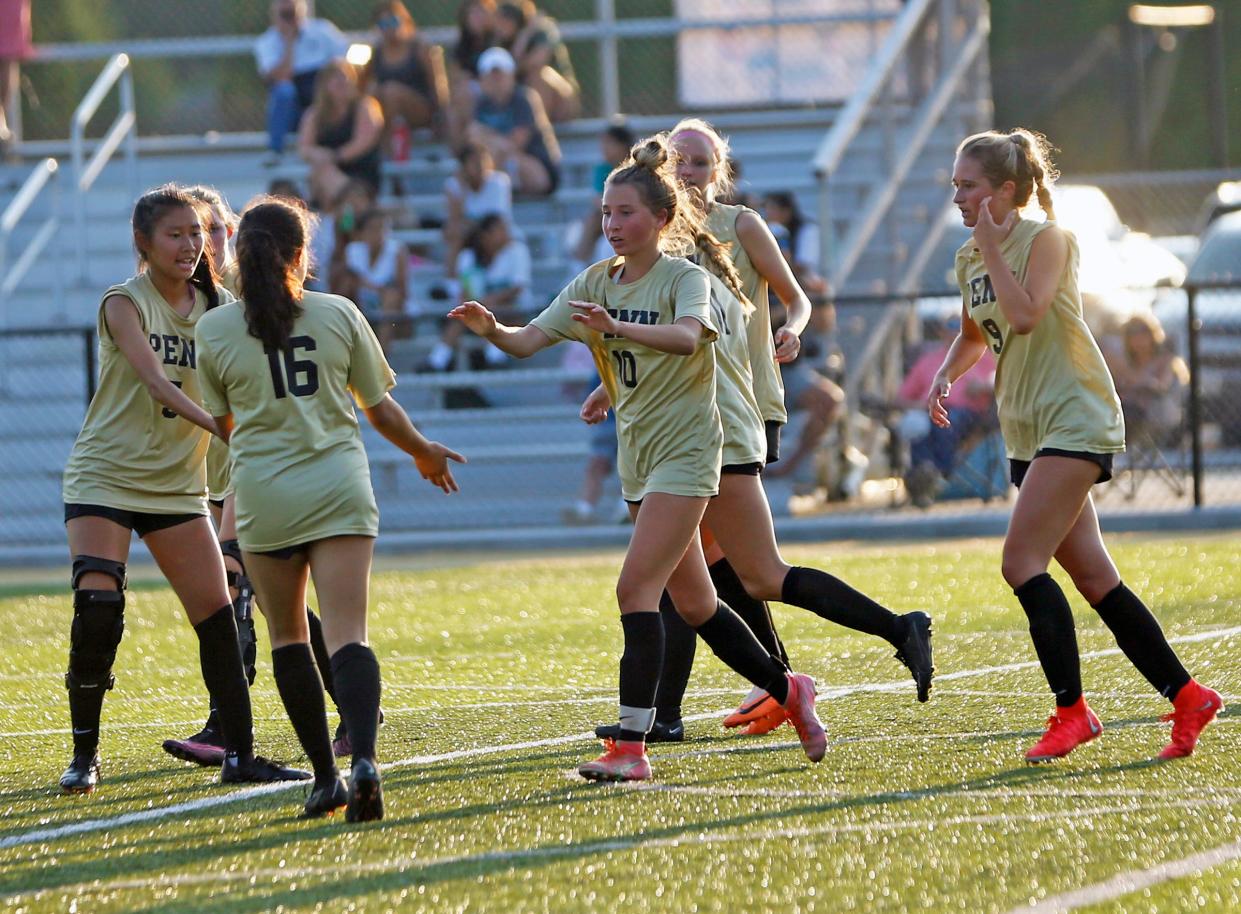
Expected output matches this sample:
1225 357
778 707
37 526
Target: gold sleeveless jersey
745 439
134 453
667 423
300 472
1052 386
768 387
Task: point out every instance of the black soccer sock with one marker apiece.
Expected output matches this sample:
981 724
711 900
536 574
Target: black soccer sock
832 599
640 668
754 613
322 657
1138 634
356 671
220 659
1054 636
680 645
301 690
732 641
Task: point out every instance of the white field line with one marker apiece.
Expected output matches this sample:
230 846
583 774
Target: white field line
1133 881
413 866
147 815
1215 796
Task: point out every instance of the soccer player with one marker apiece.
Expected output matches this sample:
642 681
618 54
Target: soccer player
703 165
138 466
277 372
1062 424
646 317
206 747
739 519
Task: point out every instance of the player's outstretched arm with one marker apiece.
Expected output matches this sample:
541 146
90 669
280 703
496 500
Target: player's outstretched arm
121 316
390 420
519 342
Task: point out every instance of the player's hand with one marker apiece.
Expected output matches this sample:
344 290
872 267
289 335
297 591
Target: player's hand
476 318
940 388
986 231
595 317
433 465
788 345
595 407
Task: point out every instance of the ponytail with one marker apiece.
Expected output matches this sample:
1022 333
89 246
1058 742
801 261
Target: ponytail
715 258
271 242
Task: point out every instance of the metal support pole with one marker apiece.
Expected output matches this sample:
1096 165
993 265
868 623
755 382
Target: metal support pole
609 67
1193 325
131 139
88 351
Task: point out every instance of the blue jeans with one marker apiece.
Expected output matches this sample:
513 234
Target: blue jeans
287 101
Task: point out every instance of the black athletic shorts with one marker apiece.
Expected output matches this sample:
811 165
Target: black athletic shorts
772 428
742 469
287 552
217 503
1017 468
141 522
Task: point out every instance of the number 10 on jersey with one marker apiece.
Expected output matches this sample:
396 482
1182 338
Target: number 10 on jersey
626 367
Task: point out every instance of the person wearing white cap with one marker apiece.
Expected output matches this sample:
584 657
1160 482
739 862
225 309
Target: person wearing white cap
510 120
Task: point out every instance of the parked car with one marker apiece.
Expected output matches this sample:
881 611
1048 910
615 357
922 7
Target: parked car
1219 311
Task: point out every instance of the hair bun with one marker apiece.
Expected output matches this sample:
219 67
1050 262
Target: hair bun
651 154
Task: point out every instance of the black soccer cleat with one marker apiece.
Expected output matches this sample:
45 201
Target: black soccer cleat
206 748
82 774
915 651
366 794
325 800
258 770
661 732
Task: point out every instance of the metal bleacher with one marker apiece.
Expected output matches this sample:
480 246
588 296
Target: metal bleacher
527 448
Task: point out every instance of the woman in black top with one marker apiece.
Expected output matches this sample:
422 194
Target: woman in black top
340 133
405 73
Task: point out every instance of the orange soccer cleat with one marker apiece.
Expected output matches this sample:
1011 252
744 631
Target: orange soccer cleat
622 760
800 708
756 705
1194 707
1067 729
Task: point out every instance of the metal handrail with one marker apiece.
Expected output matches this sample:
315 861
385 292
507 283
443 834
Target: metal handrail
123 129
45 172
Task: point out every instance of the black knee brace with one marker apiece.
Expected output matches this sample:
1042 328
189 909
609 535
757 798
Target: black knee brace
98 622
243 607
84 564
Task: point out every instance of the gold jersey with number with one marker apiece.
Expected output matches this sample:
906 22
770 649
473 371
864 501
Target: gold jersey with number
1052 386
134 453
768 387
219 465
745 440
300 472
667 424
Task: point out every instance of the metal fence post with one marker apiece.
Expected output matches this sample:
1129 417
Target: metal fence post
1195 391
609 69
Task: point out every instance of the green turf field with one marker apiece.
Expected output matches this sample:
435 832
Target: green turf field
494 674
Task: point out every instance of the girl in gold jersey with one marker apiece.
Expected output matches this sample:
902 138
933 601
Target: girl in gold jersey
137 466
648 321
282 370
206 747
1062 423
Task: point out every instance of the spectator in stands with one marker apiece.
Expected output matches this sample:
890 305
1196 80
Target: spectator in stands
290 55
406 75
933 451
542 58
811 386
333 231
14 46
475 34
376 275
340 134
1150 378
798 238
509 118
614 144
475 191
495 269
